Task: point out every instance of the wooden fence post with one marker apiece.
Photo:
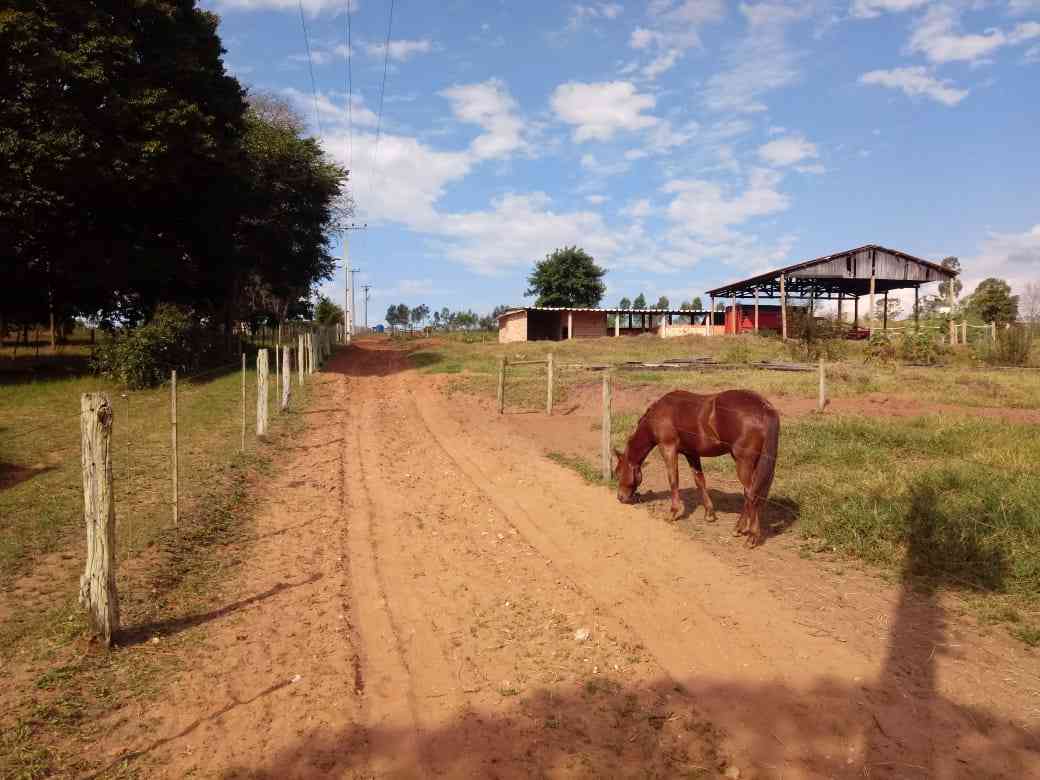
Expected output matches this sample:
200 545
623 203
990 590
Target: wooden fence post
243 446
822 402
993 332
286 376
97 586
173 442
299 358
605 433
277 367
549 389
261 392
953 333
501 384
964 332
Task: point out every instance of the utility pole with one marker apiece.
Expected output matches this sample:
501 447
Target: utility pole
366 288
348 296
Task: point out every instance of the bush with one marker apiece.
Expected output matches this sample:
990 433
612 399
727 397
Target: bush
1012 347
815 337
920 347
880 348
143 357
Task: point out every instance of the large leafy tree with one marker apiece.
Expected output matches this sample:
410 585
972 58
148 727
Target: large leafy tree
328 313
567 277
625 303
119 135
663 303
992 301
639 302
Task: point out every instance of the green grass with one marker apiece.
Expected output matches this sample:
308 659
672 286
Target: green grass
589 472
164 576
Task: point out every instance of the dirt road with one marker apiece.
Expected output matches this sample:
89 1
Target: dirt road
431 596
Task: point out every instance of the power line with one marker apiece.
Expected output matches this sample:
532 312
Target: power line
350 91
310 65
386 68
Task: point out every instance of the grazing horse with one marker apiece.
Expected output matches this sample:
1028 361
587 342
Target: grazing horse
739 422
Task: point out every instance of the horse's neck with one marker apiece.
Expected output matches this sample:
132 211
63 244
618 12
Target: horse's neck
640 443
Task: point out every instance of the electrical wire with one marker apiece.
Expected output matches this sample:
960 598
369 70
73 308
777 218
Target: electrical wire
310 65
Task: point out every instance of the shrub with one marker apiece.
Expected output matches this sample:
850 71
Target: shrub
880 348
1012 347
736 351
144 356
815 337
920 347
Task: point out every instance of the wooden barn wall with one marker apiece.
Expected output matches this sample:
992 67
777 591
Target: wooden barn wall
512 327
588 324
857 266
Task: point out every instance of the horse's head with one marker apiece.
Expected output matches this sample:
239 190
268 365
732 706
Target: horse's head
628 479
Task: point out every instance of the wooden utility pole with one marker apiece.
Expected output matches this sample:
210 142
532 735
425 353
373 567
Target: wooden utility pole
549 389
97 586
173 443
783 306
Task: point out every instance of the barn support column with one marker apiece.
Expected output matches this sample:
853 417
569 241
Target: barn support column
885 313
839 309
736 316
711 316
617 324
917 324
783 306
570 325
872 314
756 311
855 312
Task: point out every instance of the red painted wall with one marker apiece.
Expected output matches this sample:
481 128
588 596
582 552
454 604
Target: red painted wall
768 318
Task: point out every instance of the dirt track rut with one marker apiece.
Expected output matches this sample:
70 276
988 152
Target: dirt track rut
421 578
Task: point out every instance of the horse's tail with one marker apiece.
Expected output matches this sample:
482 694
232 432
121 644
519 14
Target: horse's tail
762 479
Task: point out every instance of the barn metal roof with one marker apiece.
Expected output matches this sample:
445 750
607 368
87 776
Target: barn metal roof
605 311
841 274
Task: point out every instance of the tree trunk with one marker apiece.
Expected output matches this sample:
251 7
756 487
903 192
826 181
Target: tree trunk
97 586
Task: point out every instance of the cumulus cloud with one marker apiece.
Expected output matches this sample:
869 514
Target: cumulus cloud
916 82
600 110
582 13
676 23
788 150
938 37
705 210
638 209
1011 256
490 106
597 200
400 50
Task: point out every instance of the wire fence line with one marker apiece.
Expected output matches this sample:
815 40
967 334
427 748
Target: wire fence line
154 477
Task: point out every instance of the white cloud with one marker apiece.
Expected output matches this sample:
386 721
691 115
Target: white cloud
1014 257
1032 55
599 110
1020 7
490 106
788 150
777 130
869 9
593 12
332 113
661 64
916 81
677 23
600 168
638 209
704 210
811 168
597 200
761 62
400 50
937 36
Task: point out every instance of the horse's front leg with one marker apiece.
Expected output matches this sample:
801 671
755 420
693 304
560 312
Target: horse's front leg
702 485
671 464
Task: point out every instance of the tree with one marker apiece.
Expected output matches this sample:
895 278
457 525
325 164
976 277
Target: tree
419 314
567 277
446 318
944 286
328 313
697 305
663 303
992 301
625 303
639 302
398 316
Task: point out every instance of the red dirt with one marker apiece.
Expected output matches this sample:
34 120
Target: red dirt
411 609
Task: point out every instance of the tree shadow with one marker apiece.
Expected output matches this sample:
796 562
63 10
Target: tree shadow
140 634
11 474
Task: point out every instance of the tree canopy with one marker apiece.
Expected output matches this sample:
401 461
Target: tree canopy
137 173
639 302
567 277
944 286
663 303
625 303
992 301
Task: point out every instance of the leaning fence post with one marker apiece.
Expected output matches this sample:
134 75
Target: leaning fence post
97 586
261 392
822 402
549 389
501 384
173 442
605 433
286 376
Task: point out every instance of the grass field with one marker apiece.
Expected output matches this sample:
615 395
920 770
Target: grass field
953 499
164 572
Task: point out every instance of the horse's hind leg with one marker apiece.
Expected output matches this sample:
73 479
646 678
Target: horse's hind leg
702 485
745 473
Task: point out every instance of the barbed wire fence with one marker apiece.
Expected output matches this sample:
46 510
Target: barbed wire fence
149 460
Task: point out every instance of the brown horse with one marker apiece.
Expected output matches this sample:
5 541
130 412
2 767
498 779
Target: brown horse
739 422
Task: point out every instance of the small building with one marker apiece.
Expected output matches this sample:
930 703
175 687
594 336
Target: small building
741 319
551 323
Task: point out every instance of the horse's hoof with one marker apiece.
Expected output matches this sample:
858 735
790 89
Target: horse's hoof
710 518
753 541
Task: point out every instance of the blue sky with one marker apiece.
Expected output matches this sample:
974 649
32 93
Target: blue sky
683 143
